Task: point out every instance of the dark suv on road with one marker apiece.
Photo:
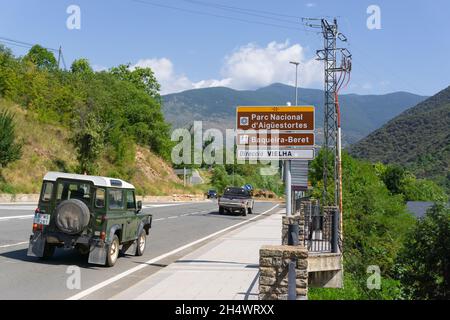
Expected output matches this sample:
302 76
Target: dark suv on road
98 216
211 194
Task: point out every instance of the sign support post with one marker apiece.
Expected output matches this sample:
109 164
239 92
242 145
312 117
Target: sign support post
289 185
287 182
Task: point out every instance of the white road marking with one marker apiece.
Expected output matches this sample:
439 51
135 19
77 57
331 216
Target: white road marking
14 244
182 215
17 217
161 205
17 207
100 285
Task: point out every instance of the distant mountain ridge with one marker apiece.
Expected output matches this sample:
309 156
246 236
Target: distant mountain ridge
419 138
361 114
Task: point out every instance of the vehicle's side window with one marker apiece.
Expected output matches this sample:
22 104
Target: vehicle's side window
131 204
115 198
100 198
47 190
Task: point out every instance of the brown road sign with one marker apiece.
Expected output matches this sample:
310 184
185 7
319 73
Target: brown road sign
275 118
283 139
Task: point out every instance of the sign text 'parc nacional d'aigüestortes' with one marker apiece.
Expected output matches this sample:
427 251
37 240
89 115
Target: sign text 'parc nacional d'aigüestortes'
275 132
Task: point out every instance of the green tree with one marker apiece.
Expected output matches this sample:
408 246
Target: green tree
88 142
424 263
220 178
422 190
81 66
375 225
142 78
393 177
42 57
10 150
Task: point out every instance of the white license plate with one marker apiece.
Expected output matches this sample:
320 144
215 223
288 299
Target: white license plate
42 218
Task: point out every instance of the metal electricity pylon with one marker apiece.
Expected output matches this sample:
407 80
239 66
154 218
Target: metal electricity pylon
337 75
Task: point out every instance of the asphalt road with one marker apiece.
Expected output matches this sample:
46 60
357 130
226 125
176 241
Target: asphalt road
175 227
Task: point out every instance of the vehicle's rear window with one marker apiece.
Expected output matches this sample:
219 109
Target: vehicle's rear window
236 191
47 190
73 190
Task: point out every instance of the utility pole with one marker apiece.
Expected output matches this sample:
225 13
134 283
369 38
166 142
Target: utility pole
332 119
59 55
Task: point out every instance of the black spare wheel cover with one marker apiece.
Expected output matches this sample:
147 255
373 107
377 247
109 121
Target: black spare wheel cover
72 216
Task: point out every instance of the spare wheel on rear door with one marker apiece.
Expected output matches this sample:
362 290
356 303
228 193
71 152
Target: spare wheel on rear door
72 216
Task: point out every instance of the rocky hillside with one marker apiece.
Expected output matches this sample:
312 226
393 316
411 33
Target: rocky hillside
46 148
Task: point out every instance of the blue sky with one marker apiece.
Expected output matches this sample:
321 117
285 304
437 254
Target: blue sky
190 50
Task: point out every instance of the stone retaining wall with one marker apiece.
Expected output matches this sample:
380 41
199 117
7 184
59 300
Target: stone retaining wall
11 198
274 266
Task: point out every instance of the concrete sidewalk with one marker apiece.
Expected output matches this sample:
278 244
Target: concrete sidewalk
225 269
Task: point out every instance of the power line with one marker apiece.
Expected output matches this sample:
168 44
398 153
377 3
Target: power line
22 44
250 12
14 44
244 9
216 15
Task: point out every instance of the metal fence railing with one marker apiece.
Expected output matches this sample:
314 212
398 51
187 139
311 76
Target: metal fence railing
320 225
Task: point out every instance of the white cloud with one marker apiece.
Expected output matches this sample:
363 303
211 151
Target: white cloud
248 67
310 5
252 66
164 73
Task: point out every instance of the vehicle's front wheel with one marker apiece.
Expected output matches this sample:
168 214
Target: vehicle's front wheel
221 210
244 212
250 210
113 252
140 243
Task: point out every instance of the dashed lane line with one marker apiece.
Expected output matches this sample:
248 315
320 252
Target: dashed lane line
182 215
17 217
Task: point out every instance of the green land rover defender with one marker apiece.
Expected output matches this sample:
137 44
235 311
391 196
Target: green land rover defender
98 216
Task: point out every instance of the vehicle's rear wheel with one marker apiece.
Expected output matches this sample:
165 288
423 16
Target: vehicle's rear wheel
82 249
244 212
49 250
250 210
221 210
113 252
140 243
